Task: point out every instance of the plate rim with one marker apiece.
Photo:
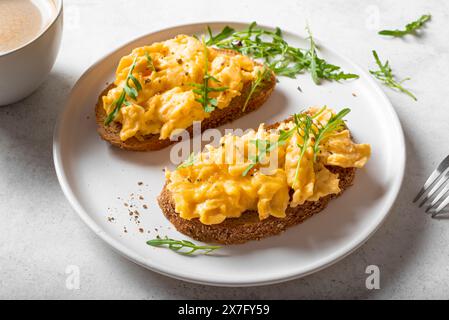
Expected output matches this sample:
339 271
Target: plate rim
134 257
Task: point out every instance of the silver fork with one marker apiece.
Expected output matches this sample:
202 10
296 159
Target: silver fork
436 190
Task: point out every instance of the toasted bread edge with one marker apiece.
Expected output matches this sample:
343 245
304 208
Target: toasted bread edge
217 118
249 226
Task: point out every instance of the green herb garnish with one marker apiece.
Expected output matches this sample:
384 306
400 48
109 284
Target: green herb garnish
309 129
409 28
224 34
132 91
320 68
277 54
314 60
323 132
261 76
188 162
303 125
385 75
203 90
117 105
150 63
177 245
127 90
264 147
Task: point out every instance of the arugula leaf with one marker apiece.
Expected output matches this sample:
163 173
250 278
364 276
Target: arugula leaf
320 69
150 61
285 135
264 147
334 124
312 132
188 162
385 75
132 92
313 59
261 76
203 90
304 130
410 28
118 104
224 34
277 54
178 245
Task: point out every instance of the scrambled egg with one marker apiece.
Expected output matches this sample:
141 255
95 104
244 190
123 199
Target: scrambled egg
166 102
215 187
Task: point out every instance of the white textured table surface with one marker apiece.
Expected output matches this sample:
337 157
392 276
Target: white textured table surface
41 235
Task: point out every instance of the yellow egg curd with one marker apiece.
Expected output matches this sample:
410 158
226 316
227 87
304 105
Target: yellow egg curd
217 183
166 71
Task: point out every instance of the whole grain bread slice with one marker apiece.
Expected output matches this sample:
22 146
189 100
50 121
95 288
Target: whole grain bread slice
218 117
249 226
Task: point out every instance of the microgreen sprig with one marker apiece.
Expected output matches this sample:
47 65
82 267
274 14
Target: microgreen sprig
277 54
178 245
410 28
203 89
132 92
150 61
314 61
303 125
263 147
261 77
323 132
385 75
320 68
117 105
224 34
188 162
309 129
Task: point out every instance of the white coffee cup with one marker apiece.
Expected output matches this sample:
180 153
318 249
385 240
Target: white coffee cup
23 69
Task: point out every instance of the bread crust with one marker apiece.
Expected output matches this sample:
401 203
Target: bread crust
218 117
249 226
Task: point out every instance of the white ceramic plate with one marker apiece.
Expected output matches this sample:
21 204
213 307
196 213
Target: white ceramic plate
94 175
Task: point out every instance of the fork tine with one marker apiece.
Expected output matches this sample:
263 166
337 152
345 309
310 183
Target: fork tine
441 207
435 188
433 177
443 192
435 174
445 211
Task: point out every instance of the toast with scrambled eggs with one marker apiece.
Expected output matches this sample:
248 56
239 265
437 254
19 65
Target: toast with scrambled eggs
232 201
162 89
